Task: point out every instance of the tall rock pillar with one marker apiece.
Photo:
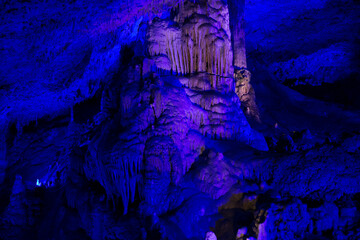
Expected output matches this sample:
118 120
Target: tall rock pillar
237 27
242 75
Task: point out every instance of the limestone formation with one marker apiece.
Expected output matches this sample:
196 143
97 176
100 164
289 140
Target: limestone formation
242 75
210 236
197 39
237 26
246 93
241 233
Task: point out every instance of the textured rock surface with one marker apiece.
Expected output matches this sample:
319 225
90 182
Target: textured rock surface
210 236
139 135
288 222
312 46
128 120
246 93
197 39
56 54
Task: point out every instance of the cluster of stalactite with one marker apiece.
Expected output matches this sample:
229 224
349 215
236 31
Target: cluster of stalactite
118 172
196 40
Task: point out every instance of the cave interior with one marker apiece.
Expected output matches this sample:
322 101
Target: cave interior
180 119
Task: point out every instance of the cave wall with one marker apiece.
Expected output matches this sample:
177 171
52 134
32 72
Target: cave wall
311 47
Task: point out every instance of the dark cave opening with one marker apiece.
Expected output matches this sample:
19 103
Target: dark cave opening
86 110
343 91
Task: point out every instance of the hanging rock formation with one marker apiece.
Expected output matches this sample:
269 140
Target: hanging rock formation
197 39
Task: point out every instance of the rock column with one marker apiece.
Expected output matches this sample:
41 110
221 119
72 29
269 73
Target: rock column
242 75
237 27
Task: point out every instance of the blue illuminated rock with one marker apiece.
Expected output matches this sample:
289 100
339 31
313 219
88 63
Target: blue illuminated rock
138 119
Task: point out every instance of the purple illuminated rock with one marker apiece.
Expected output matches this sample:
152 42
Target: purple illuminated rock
197 41
210 236
288 222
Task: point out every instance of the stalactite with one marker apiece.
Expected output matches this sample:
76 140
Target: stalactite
198 45
118 173
178 59
185 54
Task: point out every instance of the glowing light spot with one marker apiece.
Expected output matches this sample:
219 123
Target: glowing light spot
38 183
